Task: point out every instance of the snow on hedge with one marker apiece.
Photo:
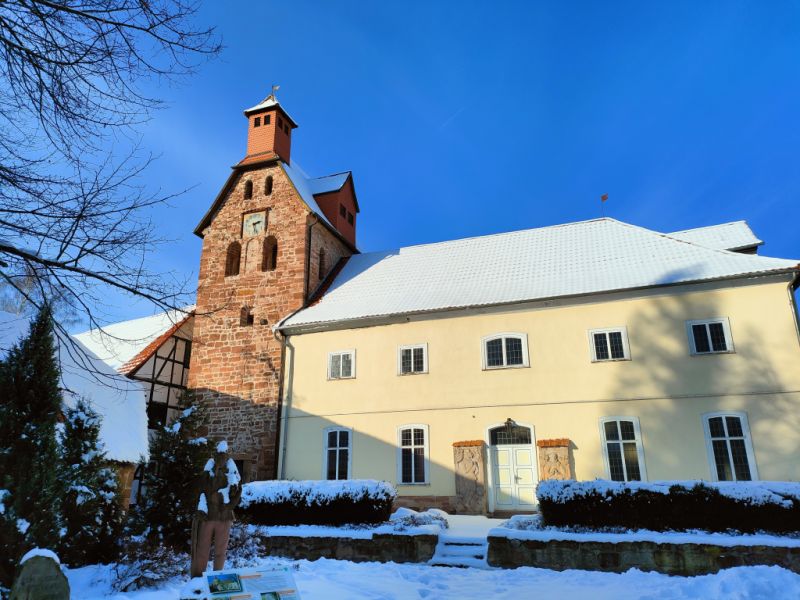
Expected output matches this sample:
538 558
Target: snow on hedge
531 527
311 492
750 492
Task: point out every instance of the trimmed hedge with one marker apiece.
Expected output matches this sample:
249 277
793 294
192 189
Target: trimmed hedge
353 501
672 505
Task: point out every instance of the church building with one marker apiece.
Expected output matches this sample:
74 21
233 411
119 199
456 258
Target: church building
465 371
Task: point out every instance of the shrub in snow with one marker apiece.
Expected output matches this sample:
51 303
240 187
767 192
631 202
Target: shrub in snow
92 514
406 518
317 502
672 505
147 564
177 454
30 404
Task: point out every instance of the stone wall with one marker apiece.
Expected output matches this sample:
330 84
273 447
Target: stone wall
235 369
381 548
671 559
445 503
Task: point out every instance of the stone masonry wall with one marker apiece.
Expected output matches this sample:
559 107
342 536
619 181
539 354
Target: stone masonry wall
672 559
381 547
235 369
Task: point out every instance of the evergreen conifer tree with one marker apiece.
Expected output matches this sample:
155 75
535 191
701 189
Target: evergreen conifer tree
178 454
93 516
30 406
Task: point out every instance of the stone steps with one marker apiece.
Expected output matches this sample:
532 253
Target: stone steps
461 552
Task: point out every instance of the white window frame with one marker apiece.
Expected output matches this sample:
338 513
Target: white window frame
637 431
412 347
626 350
426 445
726 328
506 334
325 449
352 354
748 442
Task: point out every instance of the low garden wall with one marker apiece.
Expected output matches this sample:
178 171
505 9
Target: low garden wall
669 558
381 547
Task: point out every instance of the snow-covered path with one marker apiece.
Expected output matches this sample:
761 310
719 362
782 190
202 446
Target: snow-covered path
342 580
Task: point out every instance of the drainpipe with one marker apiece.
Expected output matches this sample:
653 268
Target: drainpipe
280 428
281 422
793 286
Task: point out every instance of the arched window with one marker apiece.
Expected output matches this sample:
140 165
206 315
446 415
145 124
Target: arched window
321 263
233 259
246 318
270 258
505 350
268 186
248 189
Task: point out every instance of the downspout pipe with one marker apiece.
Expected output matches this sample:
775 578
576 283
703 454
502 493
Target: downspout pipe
280 426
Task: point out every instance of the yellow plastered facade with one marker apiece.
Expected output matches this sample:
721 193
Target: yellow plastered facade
562 393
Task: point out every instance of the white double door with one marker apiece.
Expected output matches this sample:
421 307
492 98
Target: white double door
513 477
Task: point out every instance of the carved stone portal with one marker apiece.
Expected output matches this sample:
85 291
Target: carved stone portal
470 471
554 460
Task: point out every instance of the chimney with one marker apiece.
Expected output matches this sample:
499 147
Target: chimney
269 131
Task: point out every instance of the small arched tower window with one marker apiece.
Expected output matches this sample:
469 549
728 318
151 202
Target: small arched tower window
248 190
233 259
246 318
270 259
268 185
321 264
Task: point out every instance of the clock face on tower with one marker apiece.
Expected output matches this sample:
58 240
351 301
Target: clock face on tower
254 223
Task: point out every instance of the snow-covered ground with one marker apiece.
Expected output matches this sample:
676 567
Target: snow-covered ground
342 580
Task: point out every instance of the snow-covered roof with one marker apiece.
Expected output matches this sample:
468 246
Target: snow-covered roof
118 400
587 257
304 187
728 236
269 102
119 343
329 183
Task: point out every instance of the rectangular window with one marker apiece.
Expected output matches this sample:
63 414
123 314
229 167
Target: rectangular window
350 218
267 119
280 123
257 122
413 454
412 359
622 447
342 365
337 453
710 336
609 344
342 210
729 447
505 350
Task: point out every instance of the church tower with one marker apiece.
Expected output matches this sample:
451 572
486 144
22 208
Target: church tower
270 240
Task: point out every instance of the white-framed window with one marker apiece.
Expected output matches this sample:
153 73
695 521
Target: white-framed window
730 449
609 344
505 350
709 336
622 448
412 454
412 360
342 364
337 454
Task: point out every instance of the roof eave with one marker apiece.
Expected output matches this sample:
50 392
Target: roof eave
387 319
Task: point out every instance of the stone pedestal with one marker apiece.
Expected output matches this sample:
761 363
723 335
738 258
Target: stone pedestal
40 578
470 472
554 459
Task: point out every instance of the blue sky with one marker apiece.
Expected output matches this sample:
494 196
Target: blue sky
465 118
